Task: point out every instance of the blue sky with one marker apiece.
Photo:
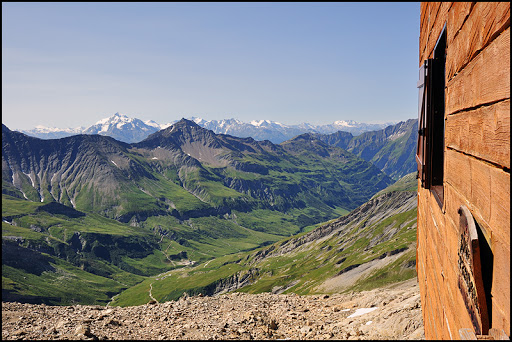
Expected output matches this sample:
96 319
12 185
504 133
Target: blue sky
72 64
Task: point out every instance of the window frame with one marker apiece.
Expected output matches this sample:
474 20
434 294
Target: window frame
431 120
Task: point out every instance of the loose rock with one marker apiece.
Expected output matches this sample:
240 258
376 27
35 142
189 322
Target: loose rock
228 316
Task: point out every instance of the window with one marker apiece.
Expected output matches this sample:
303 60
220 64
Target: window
430 146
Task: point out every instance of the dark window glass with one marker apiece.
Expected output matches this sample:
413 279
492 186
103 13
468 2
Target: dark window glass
437 83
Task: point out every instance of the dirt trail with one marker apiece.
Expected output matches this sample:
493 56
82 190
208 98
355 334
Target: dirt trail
389 313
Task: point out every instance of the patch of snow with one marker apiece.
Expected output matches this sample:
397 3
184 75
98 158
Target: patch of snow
369 322
113 162
258 123
154 158
152 123
198 121
362 311
344 123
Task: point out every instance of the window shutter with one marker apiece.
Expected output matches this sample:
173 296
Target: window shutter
423 104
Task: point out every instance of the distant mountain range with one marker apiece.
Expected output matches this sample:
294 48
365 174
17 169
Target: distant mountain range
107 214
391 149
186 171
131 130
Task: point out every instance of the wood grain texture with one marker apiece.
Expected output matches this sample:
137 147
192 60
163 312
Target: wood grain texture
428 37
457 172
486 79
481 187
501 284
426 21
458 14
500 204
488 133
483 23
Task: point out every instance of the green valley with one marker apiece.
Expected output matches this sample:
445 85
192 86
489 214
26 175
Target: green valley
88 217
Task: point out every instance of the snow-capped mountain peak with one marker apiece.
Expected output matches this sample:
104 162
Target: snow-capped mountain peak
124 128
115 119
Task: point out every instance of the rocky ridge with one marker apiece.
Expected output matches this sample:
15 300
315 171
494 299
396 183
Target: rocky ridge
387 313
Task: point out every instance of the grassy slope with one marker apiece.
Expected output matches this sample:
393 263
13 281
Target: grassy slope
302 270
66 276
202 238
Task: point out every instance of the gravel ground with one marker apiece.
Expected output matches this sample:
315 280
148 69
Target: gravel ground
389 313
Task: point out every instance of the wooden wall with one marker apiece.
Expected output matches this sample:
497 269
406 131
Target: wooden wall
476 160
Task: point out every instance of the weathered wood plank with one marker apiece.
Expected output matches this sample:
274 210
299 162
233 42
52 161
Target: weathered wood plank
499 319
438 18
457 15
484 188
435 286
484 133
500 204
501 289
456 132
424 27
460 175
489 133
481 188
430 16
484 23
486 79
457 172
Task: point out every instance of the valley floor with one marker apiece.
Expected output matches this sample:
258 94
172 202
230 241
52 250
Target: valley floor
393 312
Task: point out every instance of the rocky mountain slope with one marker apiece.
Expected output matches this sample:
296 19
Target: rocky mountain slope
184 171
91 207
372 246
387 313
391 149
370 251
